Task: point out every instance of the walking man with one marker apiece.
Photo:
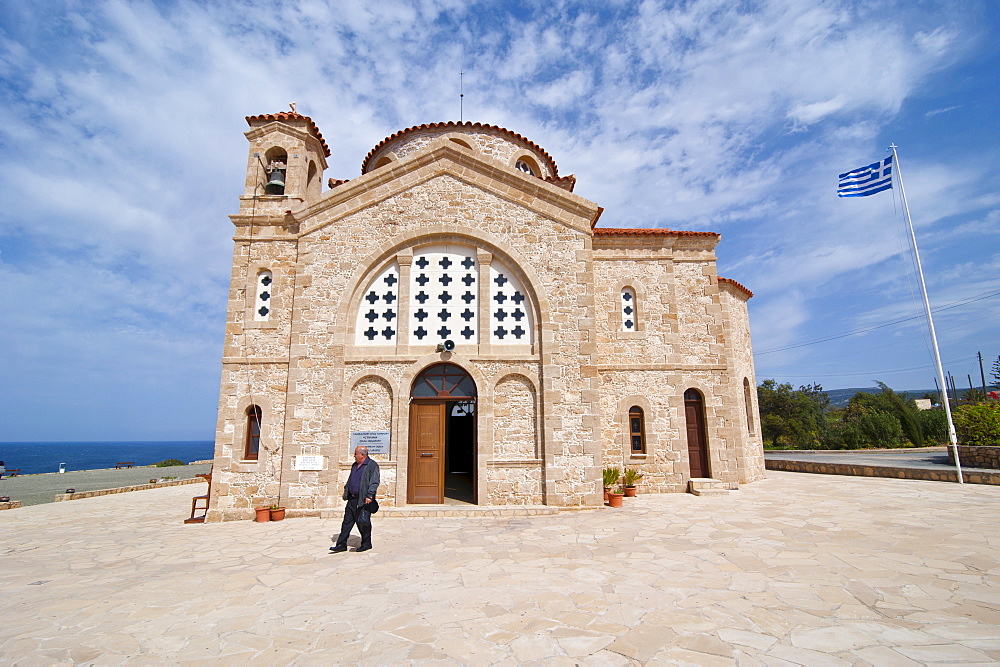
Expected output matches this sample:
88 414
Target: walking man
358 492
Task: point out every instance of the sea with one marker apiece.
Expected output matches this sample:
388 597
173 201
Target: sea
38 457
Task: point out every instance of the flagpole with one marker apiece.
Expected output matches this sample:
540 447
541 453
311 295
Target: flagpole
930 320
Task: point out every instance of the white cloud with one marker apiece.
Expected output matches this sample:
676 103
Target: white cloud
125 119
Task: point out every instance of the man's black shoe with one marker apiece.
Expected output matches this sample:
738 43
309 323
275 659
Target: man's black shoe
363 548
337 550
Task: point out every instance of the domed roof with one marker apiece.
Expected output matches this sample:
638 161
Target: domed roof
460 126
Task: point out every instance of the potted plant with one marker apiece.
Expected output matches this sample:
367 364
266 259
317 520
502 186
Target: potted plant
611 476
629 479
277 513
263 514
615 497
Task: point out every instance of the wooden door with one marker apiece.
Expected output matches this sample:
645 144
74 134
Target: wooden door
694 416
426 452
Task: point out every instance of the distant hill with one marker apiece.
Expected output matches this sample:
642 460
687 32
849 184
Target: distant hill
840 397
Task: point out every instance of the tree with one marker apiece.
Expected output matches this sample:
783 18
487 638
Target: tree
886 402
996 371
907 413
872 429
934 423
972 395
791 417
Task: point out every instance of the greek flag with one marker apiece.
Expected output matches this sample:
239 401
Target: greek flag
865 181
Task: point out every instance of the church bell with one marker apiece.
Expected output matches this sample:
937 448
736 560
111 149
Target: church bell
276 183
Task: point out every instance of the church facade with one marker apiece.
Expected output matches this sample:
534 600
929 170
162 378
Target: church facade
458 309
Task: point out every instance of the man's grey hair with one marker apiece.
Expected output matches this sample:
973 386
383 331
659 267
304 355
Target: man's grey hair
362 448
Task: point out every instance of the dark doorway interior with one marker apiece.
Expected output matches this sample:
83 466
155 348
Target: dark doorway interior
460 452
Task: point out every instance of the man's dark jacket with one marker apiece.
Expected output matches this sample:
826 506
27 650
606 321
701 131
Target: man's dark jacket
369 482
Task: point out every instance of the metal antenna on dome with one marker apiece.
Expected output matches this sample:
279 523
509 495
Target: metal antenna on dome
461 96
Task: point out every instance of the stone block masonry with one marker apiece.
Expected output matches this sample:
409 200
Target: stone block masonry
466 232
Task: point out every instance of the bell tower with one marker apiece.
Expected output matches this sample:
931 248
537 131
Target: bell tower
285 165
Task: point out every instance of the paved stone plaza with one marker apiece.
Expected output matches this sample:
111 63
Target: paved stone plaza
795 569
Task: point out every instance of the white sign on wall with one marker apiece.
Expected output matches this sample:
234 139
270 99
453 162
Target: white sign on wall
308 463
377 442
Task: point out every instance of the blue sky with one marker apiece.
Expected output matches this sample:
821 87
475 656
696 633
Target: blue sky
122 140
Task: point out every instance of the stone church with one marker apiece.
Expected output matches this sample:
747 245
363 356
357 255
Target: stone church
458 309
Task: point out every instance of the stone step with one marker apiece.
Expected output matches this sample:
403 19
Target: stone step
704 486
708 492
470 511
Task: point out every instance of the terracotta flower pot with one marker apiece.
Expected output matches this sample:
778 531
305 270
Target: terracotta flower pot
606 489
615 499
263 514
278 514
630 492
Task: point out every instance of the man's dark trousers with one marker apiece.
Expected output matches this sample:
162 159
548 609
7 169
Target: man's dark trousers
356 515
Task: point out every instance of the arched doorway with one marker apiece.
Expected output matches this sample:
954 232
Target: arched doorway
442 445
697 442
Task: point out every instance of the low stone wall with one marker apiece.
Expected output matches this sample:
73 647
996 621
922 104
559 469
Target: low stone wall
976 456
10 505
971 477
125 489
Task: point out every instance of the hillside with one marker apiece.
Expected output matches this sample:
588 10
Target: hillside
840 397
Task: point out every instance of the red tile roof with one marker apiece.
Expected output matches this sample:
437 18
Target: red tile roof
288 115
564 182
736 285
623 231
469 125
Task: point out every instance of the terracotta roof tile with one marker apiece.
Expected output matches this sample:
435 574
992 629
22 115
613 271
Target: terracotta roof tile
736 285
288 115
564 182
466 125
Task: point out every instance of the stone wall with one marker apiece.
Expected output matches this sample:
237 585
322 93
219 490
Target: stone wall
743 391
691 333
976 456
858 470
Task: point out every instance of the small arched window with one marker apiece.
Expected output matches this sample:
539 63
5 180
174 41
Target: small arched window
312 173
262 306
251 445
628 305
527 164
748 402
637 430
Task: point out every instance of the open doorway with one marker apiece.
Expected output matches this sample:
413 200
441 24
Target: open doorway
460 452
442 445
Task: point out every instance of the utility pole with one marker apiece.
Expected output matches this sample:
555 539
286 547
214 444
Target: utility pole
982 375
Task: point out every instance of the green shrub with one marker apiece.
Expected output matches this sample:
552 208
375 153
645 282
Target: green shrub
978 424
169 462
873 429
935 425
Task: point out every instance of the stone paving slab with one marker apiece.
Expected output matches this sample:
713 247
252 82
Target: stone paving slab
795 569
